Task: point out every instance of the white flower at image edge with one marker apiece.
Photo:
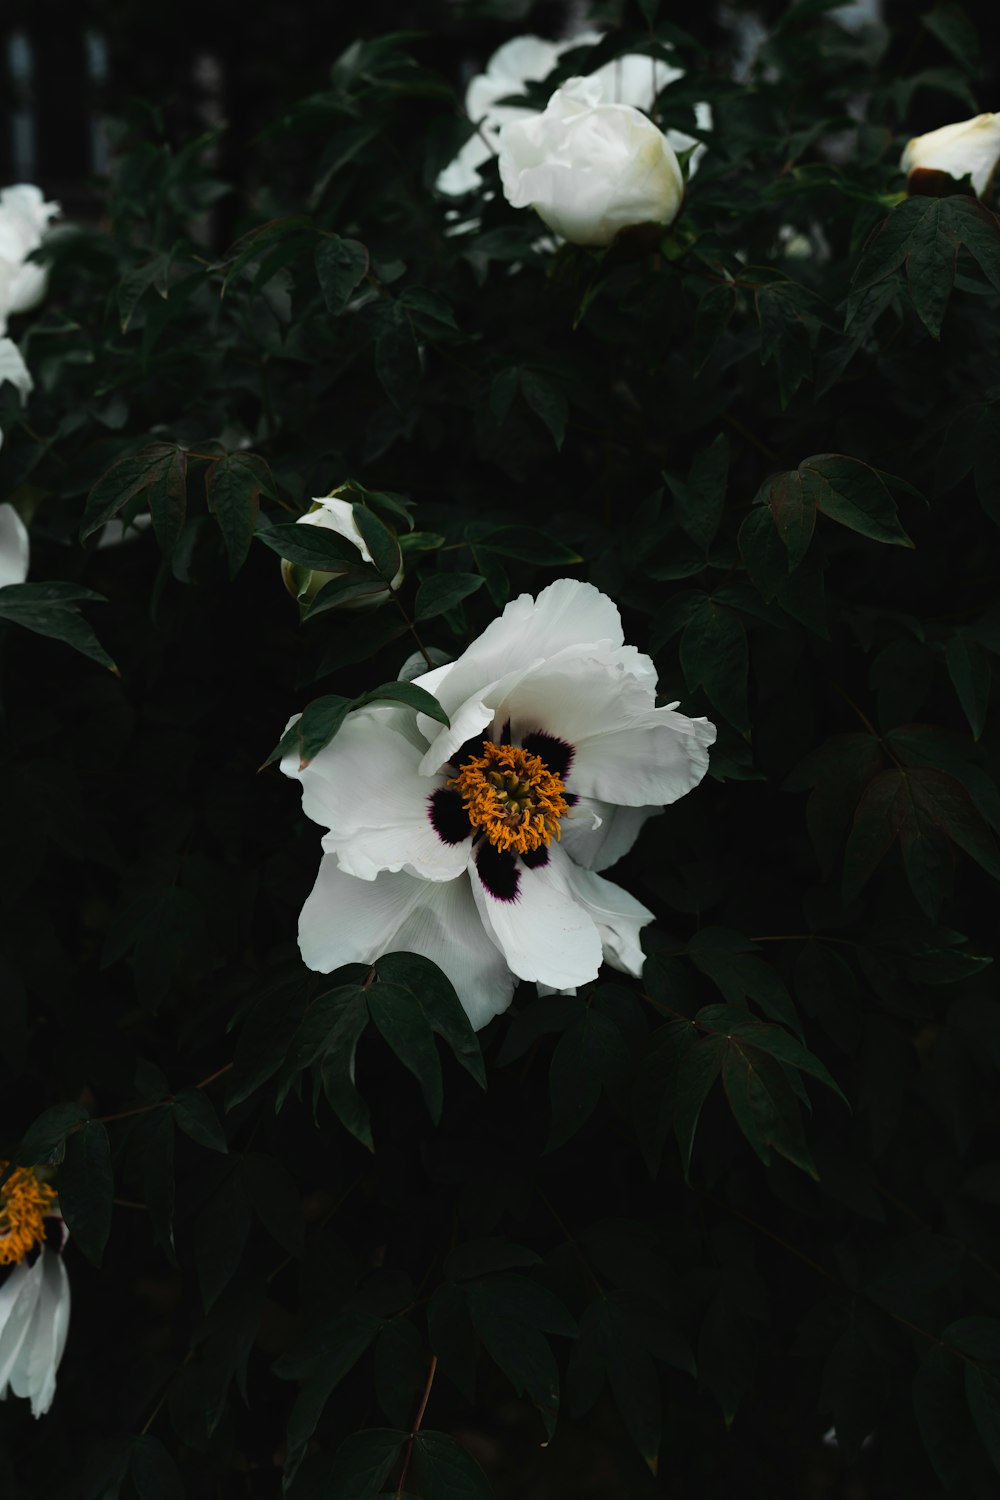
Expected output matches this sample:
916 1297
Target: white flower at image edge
24 219
633 79
15 549
332 514
590 169
34 1290
13 369
479 845
970 148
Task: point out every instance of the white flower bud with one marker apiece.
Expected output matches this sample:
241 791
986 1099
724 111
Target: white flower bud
332 514
590 169
970 148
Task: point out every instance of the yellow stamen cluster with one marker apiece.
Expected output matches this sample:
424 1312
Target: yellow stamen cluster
512 796
24 1201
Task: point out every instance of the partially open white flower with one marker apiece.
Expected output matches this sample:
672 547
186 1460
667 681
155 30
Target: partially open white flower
478 845
633 79
336 515
24 218
590 169
970 148
14 546
34 1297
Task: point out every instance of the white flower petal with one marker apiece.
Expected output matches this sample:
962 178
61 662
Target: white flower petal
543 932
567 613
34 1374
655 757
18 1299
597 848
354 921
619 917
365 787
590 169
14 546
13 368
969 147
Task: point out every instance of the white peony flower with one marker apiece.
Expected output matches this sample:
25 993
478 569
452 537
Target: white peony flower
332 515
24 218
633 79
14 546
590 169
478 845
968 148
34 1298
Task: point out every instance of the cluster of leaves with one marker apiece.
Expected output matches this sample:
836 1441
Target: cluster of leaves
679 1227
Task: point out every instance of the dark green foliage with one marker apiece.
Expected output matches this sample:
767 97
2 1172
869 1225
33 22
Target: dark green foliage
654 1238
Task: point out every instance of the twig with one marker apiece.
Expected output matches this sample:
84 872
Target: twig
401 1487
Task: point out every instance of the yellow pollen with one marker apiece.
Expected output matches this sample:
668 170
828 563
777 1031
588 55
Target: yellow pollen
24 1202
512 796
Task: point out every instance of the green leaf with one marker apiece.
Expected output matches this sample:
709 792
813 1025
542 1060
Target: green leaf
978 1337
275 1200
714 656
153 1471
442 591
547 400
588 1054
87 1188
770 1039
195 1115
953 29
221 1231
334 1349
444 1471
399 1017
939 1405
408 693
167 497
397 358
982 1392
311 546
154 1137
481 1257
969 669
445 1013
793 510
852 493
45 1139
128 477
135 283
510 1315
382 543
341 265
364 1462
764 1106
696 1072
49 609
338 1073
524 543
699 500
313 730
233 487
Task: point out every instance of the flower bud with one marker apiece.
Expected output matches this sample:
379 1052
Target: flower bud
337 515
590 169
970 148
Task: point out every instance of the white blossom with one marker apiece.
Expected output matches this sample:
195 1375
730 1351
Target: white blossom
479 846
24 219
34 1296
969 148
332 514
633 79
14 546
590 169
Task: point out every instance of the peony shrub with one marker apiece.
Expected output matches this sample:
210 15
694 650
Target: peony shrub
501 785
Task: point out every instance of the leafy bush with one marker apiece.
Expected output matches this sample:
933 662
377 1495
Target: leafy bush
723 1229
